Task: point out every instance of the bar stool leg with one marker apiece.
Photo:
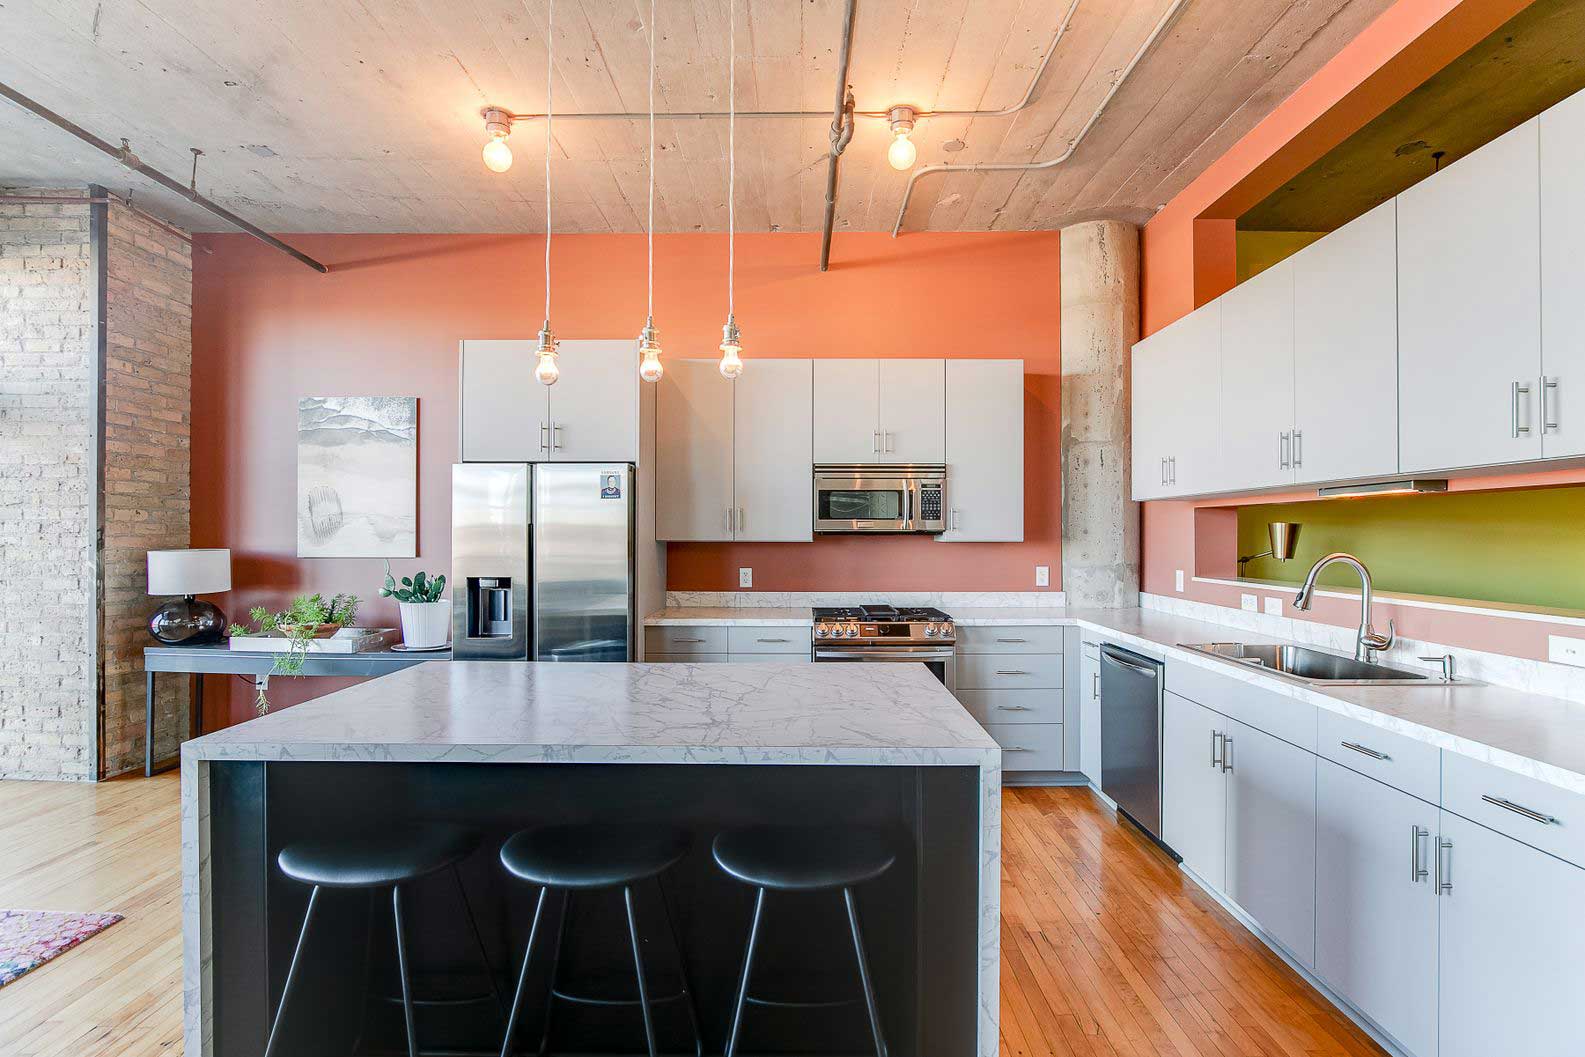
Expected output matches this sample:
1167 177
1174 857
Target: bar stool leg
638 970
864 973
748 965
682 967
484 956
402 970
555 971
291 972
368 974
522 977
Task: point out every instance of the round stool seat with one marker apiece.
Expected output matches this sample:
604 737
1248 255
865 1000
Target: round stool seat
803 858
377 859
593 856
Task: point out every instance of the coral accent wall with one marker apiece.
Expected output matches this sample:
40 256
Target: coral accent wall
387 319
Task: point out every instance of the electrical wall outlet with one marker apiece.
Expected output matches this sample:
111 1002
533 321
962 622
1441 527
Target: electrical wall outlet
1249 603
1273 607
1560 649
1042 576
1178 579
745 577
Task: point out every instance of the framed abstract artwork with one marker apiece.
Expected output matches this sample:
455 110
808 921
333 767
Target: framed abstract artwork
357 477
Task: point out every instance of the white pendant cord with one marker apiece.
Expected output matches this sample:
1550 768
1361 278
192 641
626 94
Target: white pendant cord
651 159
731 153
550 27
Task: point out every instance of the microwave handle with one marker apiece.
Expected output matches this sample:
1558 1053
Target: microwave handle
910 497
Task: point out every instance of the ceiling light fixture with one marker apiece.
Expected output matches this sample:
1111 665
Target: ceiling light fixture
546 370
902 153
497 126
731 339
650 369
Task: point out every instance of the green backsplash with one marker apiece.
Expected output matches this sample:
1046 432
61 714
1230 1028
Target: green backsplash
1522 547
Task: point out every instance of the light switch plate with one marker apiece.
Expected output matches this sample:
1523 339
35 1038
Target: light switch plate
1249 603
1042 576
1178 580
1560 649
745 577
1273 607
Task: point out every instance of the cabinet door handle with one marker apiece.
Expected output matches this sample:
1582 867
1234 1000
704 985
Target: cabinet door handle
876 448
544 437
687 640
1172 469
1417 870
887 443
1095 685
1548 414
1283 440
1519 809
1518 430
1227 753
1011 671
956 518
1298 449
1216 749
1012 708
1012 640
1444 872
1365 750
742 520
555 435
770 640
726 520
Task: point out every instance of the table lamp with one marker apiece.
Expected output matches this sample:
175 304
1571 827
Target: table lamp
185 621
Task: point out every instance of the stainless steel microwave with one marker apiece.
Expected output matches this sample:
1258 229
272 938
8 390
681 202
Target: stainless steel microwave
874 498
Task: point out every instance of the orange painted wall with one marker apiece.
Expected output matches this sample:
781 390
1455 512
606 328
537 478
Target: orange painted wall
387 319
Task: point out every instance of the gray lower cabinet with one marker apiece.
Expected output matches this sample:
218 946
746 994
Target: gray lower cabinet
737 644
1028 746
1089 694
1271 835
1512 933
1376 903
1193 787
1011 679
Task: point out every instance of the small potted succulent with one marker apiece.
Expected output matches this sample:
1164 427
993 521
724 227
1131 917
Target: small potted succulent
426 617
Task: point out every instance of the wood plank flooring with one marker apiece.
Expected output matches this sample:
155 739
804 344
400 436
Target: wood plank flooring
1107 949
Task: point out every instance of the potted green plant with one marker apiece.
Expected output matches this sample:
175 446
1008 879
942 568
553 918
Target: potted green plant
426 617
309 617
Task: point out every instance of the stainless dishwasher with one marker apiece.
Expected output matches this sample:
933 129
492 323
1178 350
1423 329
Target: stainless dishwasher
1131 735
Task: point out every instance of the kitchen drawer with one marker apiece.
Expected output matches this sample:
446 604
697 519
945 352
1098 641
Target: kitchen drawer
1403 763
1271 711
686 658
1028 746
683 638
1009 671
1013 706
766 639
984 639
1466 782
769 658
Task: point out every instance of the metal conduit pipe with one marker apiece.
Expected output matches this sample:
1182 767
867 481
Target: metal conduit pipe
125 156
841 132
1161 27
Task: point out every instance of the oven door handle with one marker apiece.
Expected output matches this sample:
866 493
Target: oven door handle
882 654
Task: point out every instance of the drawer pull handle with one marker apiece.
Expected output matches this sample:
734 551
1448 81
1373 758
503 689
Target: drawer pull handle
1016 748
1417 870
1013 708
1011 671
770 640
1520 809
690 640
1444 872
1012 640
1365 750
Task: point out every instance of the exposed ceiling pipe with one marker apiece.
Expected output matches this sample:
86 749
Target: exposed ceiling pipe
124 155
1073 144
841 132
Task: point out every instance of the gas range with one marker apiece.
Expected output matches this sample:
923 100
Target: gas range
884 626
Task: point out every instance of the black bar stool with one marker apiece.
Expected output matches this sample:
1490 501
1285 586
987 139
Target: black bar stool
587 858
803 859
372 861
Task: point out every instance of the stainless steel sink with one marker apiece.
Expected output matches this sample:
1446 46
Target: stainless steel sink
1305 665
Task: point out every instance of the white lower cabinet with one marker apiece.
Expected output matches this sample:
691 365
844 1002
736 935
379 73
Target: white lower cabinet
1090 711
1512 932
1376 903
1193 787
1271 835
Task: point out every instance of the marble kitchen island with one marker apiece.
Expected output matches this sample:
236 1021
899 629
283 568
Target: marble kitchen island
502 745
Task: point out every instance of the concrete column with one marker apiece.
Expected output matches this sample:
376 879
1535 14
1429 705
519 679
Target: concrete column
1100 323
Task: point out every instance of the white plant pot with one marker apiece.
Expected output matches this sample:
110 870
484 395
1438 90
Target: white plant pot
425 625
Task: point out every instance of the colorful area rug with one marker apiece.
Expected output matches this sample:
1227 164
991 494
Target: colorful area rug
29 938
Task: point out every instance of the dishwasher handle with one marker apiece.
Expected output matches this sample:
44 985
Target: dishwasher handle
1150 669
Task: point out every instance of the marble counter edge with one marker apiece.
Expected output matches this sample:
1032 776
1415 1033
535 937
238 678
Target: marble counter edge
982 756
721 617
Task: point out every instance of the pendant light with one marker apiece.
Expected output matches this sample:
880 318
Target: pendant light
546 370
650 368
731 340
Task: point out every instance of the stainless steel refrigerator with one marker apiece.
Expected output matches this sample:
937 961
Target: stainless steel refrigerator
542 561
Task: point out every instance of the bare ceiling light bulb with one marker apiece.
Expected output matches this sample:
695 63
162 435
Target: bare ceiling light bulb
650 368
731 349
546 370
902 153
498 126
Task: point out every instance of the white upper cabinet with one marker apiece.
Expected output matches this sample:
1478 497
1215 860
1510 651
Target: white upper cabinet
1152 399
1257 443
913 395
590 415
1177 397
772 430
1469 310
847 411
1345 351
693 453
1562 404
984 450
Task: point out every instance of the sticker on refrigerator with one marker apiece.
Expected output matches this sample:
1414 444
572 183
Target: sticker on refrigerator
610 486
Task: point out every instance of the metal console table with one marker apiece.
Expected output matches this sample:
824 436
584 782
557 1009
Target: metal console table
219 659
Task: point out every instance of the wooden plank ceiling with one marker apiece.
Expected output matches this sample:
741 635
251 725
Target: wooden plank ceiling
341 115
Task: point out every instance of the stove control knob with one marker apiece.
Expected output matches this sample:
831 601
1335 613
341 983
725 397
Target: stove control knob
820 632
930 631
946 630
853 631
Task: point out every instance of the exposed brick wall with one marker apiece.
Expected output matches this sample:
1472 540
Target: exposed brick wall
48 364
148 365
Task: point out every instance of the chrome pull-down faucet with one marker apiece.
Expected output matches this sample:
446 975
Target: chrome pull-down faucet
1369 641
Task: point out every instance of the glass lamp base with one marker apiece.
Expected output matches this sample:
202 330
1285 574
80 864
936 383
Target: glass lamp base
187 622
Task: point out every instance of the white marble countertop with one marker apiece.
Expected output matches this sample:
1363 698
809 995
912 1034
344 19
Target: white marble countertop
512 711
717 617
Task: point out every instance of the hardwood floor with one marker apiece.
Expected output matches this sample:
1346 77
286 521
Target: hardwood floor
1107 949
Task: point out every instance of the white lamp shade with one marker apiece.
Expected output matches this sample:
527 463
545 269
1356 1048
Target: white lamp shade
204 571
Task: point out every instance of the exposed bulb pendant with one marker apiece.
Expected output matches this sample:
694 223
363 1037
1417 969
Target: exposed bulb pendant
497 127
546 369
731 340
650 369
902 153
